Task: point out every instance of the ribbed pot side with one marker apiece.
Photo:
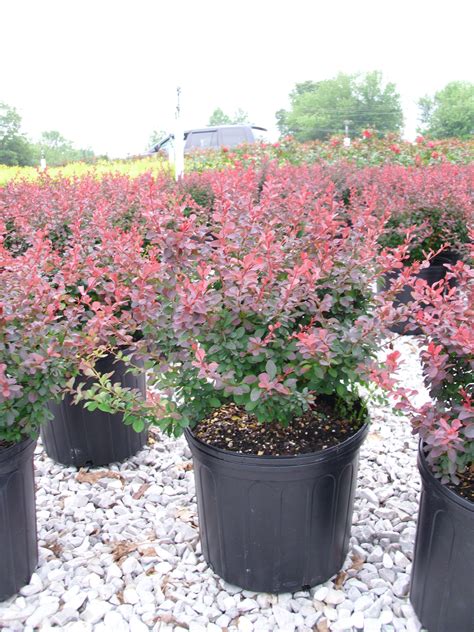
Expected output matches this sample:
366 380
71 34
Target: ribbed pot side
275 524
18 536
442 583
80 437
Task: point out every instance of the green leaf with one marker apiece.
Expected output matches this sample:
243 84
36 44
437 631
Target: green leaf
138 425
318 371
105 408
255 394
340 390
271 369
214 402
249 406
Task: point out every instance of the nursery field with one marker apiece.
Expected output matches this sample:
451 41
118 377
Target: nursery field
78 169
369 150
119 548
209 364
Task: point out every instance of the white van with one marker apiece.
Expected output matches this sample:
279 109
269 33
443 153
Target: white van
213 138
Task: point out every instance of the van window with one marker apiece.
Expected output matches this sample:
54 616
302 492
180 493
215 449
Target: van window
201 140
260 135
166 145
232 137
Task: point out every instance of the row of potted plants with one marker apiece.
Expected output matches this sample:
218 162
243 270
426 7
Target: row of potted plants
248 298
369 149
435 202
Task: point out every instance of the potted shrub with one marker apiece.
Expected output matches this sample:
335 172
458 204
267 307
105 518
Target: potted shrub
33 370
431 207
443 232
49 345
87 433
100 264
267 342
443 565
105 283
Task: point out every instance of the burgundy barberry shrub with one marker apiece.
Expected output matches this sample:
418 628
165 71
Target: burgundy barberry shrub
34 364
63 205
275 307
60 312
434 203
445 313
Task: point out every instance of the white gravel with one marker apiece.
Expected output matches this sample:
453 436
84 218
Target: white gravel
122 552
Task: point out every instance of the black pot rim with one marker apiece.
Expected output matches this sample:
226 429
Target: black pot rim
14 449
341 449
449 256
435 483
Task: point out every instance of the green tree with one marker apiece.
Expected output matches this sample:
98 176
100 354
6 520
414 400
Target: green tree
58 151
219 117
323 108
450 113
14 147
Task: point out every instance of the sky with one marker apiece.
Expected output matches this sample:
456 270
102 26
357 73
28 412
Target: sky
104 73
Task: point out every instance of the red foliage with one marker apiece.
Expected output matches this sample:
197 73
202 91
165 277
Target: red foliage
251 284
445 313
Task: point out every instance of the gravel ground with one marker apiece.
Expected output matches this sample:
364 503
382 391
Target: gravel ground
119 548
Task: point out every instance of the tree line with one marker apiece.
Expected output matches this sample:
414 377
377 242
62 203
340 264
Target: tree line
348 104
17 150
345 104
352 103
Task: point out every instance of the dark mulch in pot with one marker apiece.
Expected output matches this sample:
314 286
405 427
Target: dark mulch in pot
4 444
232 428
466 485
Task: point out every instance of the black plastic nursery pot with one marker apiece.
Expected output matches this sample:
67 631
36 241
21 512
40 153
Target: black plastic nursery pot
79 437
275 523
442 583
18 537
434 273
